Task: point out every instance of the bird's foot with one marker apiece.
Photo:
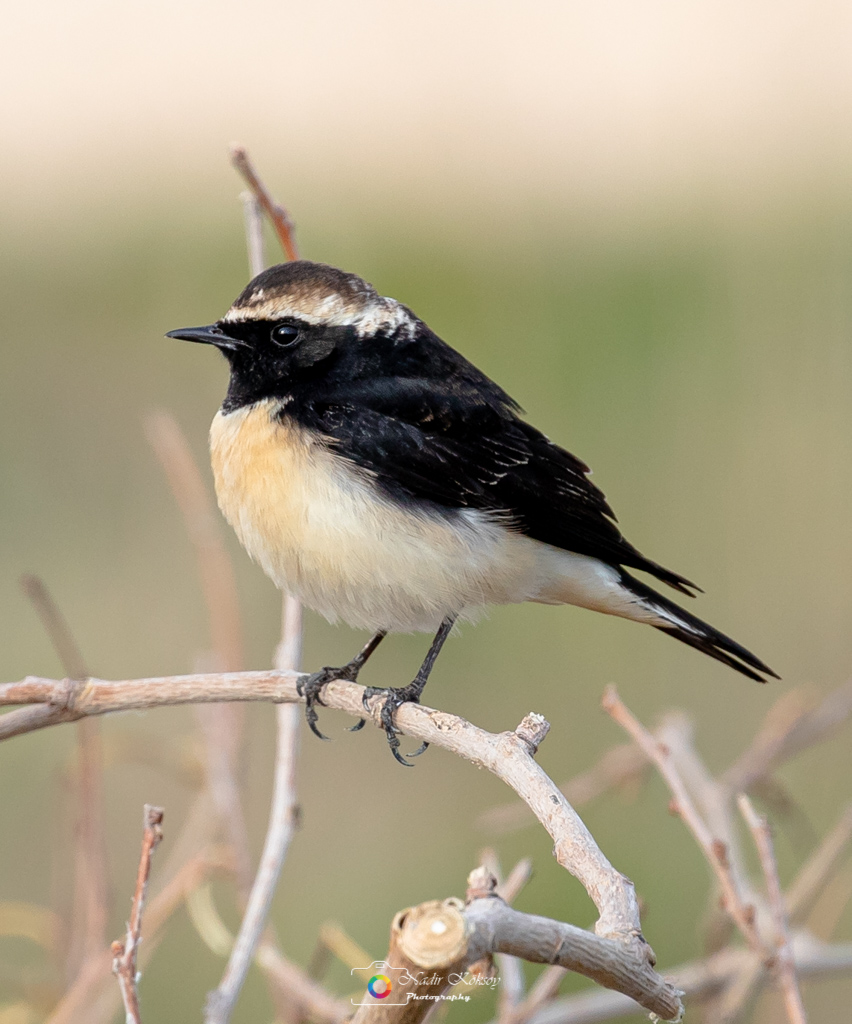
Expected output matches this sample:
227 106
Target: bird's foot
395 697
310 687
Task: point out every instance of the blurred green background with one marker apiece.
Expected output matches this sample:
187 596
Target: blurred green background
688 336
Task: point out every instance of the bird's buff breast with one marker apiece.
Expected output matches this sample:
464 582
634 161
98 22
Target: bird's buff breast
319 528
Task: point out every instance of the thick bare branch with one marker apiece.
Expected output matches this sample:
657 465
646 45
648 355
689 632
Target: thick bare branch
505 754
434 944
617 768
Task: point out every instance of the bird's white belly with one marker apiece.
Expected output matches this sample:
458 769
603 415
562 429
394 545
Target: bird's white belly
321 530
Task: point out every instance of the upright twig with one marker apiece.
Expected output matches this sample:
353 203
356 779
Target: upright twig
786 965
124 953
91 998
284 811
276 213
91 881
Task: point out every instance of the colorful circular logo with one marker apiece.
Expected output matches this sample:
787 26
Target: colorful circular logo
379 986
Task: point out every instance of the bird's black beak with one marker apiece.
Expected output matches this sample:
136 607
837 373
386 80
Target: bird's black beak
210 335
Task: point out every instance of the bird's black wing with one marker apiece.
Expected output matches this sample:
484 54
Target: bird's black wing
456 445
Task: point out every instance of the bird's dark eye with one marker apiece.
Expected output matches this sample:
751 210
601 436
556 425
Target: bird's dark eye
285 335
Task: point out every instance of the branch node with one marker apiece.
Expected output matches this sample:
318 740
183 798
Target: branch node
532 731
720 852
480 883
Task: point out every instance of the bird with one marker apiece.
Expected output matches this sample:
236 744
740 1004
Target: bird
380 477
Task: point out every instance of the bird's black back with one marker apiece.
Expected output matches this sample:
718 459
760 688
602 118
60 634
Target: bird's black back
431 428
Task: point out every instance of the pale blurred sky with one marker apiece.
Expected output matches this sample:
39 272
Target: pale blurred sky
594 98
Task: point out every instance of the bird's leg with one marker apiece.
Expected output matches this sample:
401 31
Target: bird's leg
395 696
309 686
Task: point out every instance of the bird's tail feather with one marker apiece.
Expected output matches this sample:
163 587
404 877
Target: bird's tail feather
691 630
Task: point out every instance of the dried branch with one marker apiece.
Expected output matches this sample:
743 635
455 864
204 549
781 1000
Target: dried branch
434 943
56 627
714 849
786 966
125 953
515 880
505 754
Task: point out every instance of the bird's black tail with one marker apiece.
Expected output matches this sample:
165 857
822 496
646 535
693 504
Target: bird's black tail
691 630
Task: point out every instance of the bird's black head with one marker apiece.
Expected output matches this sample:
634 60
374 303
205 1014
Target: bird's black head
299 323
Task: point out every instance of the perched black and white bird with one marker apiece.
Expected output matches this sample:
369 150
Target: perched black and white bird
380 477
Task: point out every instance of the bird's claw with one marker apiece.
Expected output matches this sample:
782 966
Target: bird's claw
310 687
394 697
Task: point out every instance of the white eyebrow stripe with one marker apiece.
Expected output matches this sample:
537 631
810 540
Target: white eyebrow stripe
330 310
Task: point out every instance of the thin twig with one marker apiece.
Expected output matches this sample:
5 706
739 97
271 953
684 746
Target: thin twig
786 966
274 210
91 875
714 849
284 812
93 986
125 953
